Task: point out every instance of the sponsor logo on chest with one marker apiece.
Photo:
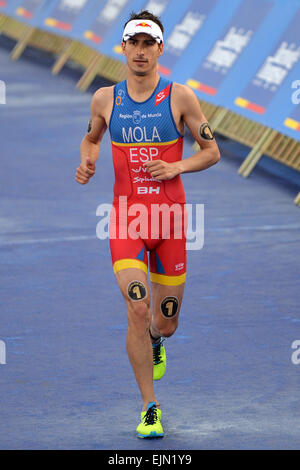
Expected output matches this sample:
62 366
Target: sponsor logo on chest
142 129
162 95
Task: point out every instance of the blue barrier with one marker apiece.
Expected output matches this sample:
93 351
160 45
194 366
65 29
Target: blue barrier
106 20
243 55
283 112
271 75
229 46
8 6
183 33
28 11
168 20
67 18
292 121
261 45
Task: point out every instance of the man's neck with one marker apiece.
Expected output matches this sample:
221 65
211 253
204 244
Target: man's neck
141 87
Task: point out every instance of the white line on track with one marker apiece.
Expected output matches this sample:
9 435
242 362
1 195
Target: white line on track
253 228
75 238
31 241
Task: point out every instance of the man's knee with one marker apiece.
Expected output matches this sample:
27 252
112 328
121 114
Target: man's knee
139 317
167 329
138 302
169 310
139 309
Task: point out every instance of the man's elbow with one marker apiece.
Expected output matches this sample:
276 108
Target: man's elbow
90 139
216 156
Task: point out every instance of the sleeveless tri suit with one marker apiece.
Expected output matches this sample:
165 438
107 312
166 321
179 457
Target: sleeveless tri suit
155 209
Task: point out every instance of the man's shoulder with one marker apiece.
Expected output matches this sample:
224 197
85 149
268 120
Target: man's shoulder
104 95
182 91
183 96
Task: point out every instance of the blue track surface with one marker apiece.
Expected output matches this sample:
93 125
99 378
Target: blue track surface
67 384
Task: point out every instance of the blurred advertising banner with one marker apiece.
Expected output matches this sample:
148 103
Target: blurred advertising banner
293 120
286 105
243 55
229 46
28 8
67 17
106 14
6 6
11 6
274 70
64 13
158 7
190 22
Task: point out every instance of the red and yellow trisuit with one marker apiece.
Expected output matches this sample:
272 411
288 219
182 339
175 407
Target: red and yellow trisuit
155 209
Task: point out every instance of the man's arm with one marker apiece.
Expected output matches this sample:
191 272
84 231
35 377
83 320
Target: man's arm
197 123
90 144
186 105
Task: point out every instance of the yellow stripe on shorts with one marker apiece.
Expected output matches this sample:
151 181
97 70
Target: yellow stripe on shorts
129 263
167 280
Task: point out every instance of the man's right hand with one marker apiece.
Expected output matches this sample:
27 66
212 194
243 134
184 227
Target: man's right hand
85 171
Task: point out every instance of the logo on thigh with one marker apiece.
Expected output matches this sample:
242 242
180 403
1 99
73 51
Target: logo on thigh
136 290
169 306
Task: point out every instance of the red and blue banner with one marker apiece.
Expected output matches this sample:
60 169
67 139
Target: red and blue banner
293 121
243 55
28 8
6 6
28 11
274 70
229 46
157 7
105 19
25 9
176 43
64 14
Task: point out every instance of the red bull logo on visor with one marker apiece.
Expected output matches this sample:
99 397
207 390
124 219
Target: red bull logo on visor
144 25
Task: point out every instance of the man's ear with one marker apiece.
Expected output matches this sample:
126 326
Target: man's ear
123 45
161 49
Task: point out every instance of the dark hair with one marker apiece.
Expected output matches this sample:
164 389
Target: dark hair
145 15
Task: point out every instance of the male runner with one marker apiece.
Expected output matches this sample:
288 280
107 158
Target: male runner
146 115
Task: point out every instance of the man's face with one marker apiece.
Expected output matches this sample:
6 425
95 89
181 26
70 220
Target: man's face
142 53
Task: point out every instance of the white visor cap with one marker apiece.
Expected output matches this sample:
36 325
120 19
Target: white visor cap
134 27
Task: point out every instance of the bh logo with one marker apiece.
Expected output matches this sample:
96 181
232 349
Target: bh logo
136 117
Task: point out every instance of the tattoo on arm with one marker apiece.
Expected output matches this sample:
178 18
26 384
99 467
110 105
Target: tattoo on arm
89 126
205 131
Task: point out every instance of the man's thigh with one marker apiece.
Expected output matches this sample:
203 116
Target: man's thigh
167 275
133 283
166 304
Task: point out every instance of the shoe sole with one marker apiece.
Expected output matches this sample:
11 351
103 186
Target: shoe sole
152 435
158 378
